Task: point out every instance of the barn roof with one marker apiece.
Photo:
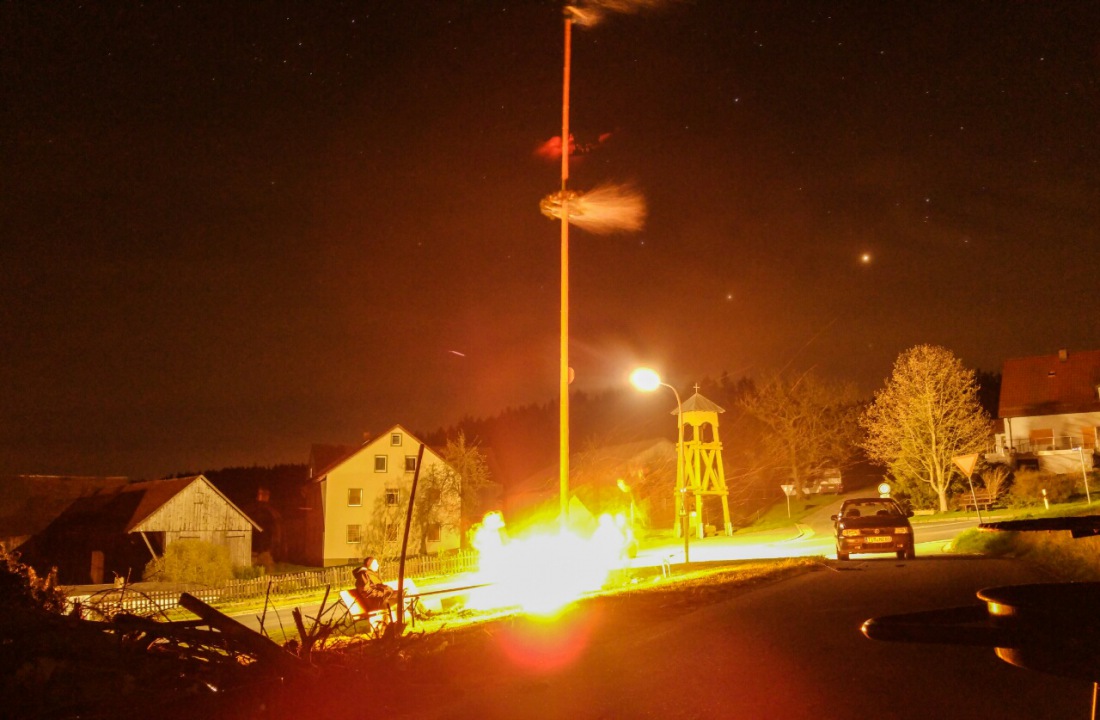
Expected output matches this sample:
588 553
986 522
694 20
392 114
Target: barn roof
1064 382
123 509
29 503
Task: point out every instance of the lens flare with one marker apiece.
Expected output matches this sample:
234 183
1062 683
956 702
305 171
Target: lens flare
543 571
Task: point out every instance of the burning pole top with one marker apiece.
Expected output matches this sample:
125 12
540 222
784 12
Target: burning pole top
610 207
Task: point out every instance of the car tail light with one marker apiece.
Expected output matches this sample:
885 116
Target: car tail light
850 532
901 531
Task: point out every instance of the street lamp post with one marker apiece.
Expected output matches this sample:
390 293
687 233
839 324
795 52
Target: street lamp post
648 380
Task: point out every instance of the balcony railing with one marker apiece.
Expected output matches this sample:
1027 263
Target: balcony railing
1061 442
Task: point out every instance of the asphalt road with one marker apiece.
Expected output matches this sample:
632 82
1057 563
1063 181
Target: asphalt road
814 536
791 649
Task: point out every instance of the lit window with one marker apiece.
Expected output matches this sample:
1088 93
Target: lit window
391 497
391 532
433 532
395 439
355 497
380 463
410 463
355 534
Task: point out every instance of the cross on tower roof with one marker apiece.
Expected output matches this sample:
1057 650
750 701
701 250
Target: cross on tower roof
696 388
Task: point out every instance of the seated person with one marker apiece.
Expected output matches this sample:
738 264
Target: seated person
369 588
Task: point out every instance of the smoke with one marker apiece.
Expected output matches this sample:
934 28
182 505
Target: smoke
602 210
590 12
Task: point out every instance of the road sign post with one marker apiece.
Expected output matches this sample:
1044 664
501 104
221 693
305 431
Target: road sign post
788 490
966 463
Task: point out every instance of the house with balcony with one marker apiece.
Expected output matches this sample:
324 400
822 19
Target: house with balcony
1049 411
357 501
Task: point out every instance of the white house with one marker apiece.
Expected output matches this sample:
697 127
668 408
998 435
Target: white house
358 504
1050 409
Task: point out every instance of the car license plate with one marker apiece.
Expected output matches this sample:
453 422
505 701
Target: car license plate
877 539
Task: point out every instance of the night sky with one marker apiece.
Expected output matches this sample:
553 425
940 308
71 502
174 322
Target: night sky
230 230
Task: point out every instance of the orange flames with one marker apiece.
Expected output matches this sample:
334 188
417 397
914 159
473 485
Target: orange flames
542 572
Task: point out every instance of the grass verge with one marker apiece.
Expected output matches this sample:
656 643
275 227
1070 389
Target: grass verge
1055 553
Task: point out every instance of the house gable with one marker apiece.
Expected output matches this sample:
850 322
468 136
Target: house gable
1058 384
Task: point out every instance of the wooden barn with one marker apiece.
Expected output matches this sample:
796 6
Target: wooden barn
116 532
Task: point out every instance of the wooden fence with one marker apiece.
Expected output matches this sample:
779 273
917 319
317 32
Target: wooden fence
145 602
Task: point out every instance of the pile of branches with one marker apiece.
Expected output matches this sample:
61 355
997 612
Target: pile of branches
96 659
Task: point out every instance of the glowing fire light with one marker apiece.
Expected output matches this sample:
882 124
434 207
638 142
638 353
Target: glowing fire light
544 571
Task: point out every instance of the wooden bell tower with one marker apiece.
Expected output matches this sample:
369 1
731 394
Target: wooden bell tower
701 450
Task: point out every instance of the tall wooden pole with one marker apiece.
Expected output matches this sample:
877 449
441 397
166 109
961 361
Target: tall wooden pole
405 541
563 409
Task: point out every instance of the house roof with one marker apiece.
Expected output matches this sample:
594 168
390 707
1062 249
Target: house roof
338 460
1065 382
322 456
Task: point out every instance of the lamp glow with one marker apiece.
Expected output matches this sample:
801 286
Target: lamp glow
645 379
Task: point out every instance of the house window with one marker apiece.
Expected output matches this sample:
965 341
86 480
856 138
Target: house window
433 532
380 463
355 497
391 497
395 439
410 463
391 532
355 534
434 496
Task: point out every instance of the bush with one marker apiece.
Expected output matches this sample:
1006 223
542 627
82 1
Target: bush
265 560
912 490
249 572
1028 486
191 561
21 589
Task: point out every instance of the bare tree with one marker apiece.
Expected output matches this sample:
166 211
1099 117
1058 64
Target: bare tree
927 414
811 423
452 489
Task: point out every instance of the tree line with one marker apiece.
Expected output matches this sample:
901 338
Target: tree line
782 427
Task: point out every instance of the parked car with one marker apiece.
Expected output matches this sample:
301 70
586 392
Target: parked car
873 525
830 482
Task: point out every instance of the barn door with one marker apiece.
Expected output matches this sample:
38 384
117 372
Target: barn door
97 567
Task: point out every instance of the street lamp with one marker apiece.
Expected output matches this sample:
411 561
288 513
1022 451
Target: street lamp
648 380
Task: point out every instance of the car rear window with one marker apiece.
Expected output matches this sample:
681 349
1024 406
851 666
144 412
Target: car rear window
870 508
